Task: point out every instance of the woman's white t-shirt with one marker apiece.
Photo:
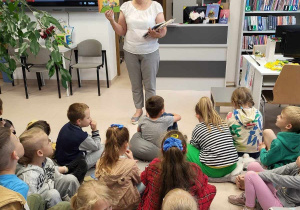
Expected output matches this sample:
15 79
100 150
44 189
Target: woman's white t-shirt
138 22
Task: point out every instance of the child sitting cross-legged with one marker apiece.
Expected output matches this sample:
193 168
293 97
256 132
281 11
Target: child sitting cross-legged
73 144
259 186
211 146
15 189
39 171
145 144
284 148
245 123
118 170
172 171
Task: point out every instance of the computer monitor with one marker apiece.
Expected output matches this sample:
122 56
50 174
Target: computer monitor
291 45
281 32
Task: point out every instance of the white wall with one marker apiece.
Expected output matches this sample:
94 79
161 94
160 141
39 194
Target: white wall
89 25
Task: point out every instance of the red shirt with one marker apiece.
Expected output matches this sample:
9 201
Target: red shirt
203 192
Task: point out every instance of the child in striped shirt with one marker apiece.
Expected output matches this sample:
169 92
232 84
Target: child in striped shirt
211 146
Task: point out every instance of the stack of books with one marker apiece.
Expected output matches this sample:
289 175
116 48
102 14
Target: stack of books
259 23
272 5
249 41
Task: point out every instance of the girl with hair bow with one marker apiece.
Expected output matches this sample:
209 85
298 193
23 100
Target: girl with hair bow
171 171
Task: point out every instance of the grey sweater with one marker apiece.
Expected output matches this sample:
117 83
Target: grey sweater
288 179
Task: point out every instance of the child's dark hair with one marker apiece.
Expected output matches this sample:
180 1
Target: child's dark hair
115 139
42 124
175 169
6 147
242 96
154 105
76 111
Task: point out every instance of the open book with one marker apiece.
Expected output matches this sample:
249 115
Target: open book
160 26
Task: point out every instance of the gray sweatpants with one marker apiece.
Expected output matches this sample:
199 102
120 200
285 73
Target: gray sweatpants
142 70
91 158
64 188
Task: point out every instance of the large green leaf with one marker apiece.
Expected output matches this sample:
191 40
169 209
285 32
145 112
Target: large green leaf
45 21
32 37
55 45
37 34
52 71
56 56
48 43
50 64
34 47
36 14
32 25
23 48
12 42
12 64
56 23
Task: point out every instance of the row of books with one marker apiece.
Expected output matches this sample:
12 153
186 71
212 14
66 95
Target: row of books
272 5
249 41
259 23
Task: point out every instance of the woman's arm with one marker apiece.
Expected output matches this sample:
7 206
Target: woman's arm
161 32
121 27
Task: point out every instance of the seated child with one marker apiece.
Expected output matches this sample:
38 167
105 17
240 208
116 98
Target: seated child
179 199
11 151
73 143
145 144
284 148
78 167
211 146
4 122
172 171
259 185
92 195
39 171
245 123
118 170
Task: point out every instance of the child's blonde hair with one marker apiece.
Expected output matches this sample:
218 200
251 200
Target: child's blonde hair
88 194
115 139
205 109
179 199
242 96
32 140
293 116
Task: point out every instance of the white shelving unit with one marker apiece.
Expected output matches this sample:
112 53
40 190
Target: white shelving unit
269 32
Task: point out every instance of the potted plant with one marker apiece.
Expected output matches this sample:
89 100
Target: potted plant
16 27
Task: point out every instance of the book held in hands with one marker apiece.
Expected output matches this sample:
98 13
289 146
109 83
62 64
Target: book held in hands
160 26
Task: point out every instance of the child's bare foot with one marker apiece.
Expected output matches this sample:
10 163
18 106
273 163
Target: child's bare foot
240 182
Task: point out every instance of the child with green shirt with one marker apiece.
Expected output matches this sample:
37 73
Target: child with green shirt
284 148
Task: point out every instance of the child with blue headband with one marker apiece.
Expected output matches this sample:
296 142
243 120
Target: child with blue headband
171 171
118 170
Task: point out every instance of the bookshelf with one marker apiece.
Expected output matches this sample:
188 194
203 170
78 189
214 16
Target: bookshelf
267 21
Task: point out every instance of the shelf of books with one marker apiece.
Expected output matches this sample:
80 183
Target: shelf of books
261 18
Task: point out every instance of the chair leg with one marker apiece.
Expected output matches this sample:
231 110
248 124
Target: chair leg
24 76
38 80
78 76
0 90
70 71
13 81
57 77
98 81
106 70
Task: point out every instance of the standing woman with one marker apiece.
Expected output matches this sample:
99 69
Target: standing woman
137 17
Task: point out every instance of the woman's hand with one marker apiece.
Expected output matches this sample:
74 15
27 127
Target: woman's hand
154 34
109 14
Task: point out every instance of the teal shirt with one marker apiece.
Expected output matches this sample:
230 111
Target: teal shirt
285 149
